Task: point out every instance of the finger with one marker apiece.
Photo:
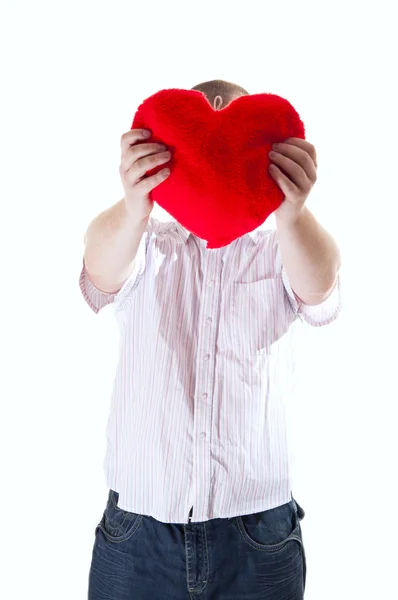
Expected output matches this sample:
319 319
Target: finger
140 167
146 185
134 153
301 157
132 137
294 170
309 148
286 185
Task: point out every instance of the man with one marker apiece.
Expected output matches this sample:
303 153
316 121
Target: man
197 465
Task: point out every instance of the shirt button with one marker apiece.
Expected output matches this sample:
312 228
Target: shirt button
209 320
204 396
207 356
203 435
211 282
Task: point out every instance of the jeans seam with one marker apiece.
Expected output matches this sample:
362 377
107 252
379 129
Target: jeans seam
263 547
126 536
126 517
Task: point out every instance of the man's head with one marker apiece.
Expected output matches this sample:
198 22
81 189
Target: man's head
220 93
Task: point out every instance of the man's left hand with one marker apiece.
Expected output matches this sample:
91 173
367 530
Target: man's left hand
297 158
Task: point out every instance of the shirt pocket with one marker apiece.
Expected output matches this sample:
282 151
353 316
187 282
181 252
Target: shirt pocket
257 315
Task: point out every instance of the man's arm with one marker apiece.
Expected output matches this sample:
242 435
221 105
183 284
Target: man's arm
111 243
310 256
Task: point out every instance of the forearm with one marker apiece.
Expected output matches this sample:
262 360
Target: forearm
111 243
310 256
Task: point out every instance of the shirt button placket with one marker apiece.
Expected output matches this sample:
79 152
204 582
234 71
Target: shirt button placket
206 376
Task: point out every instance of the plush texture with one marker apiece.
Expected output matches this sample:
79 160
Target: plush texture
219 187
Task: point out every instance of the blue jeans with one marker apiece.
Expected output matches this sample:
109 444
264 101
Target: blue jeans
135 557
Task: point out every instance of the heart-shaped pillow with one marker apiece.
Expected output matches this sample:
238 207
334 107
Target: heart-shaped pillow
219 187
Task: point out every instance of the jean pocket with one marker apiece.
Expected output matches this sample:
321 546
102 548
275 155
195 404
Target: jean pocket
271 530
117 524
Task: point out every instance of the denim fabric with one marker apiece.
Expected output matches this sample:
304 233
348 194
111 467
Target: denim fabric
258 556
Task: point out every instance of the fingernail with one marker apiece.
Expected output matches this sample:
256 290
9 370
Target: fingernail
146 133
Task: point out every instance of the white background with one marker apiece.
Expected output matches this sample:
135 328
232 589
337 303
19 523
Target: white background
72 76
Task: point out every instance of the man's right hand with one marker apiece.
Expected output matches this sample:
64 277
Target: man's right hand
138 158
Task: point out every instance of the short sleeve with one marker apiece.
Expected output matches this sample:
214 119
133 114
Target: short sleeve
320 314
98 299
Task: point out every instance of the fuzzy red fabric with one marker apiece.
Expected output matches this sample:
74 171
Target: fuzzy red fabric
219 187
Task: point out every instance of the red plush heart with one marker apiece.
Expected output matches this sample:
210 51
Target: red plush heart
219 187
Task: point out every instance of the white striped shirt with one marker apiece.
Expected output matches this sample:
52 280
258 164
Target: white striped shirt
197 416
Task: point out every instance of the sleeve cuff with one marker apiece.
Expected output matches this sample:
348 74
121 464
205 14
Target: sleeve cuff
95 298
320 314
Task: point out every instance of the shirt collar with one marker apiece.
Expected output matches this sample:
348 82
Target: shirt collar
184 234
